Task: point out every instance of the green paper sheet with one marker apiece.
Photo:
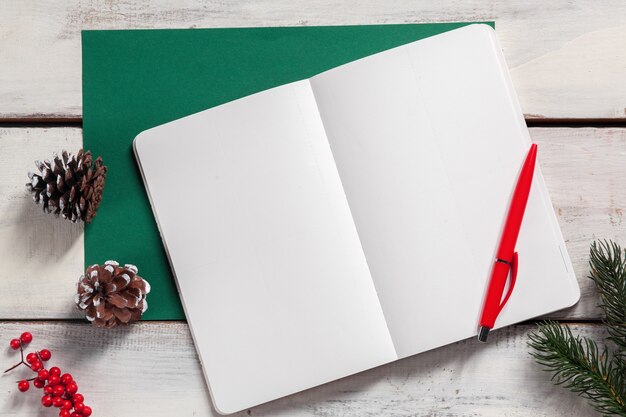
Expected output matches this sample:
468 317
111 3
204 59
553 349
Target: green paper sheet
137 79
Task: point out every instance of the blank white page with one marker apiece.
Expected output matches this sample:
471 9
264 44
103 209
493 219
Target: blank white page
429 139
263 246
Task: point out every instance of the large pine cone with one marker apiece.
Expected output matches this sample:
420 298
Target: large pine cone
111 294
69 186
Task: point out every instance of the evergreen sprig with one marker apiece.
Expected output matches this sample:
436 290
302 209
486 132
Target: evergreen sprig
577 362
608 272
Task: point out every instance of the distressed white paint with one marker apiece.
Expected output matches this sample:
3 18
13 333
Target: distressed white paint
583 78
567 58
42 256
585 172
151 369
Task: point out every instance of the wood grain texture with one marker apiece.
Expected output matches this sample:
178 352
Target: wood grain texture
584 170
41 256
567 59
585 173
151 369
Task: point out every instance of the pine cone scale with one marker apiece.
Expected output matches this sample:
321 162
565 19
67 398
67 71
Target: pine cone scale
136 315
122 314
101 310
118 301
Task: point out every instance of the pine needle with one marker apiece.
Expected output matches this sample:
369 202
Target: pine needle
579 365
608 272
577 362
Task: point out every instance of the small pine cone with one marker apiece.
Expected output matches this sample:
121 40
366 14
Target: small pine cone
69 186
111 294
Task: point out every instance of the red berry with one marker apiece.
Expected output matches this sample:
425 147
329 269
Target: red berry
43 374
48 389
57 402
53 379
23 385
55 371
67 404
36 366
26 337
31 358
38 383
66 379
86 411
78 398
46 401
45 354
78 406
15 344
75 414
58 390
64 413
71 388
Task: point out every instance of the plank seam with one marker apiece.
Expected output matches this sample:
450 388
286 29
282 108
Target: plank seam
531 122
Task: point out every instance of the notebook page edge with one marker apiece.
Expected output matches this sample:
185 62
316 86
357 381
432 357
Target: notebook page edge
549 208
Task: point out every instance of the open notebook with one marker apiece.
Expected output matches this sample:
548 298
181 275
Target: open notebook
338 223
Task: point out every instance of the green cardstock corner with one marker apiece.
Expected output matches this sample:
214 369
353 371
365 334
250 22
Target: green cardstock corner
137 79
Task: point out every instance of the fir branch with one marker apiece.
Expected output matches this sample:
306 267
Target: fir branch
578 364
608 272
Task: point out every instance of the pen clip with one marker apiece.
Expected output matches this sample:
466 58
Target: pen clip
513 275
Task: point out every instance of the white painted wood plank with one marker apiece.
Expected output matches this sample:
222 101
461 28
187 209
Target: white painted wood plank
567 58
584 170
41 256
152 370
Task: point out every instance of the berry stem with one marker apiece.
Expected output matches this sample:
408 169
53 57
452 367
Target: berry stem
21 361
15 366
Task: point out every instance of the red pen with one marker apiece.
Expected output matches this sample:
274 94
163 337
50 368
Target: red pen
506 257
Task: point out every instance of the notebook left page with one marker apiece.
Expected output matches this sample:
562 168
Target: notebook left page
266 256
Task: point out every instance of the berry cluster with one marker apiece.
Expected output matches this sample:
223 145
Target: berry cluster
60 390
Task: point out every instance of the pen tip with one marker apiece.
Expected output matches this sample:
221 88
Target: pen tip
483 333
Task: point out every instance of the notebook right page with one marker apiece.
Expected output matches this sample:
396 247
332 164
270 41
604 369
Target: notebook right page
428 139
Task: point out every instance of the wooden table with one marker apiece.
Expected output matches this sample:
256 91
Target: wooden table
568 62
